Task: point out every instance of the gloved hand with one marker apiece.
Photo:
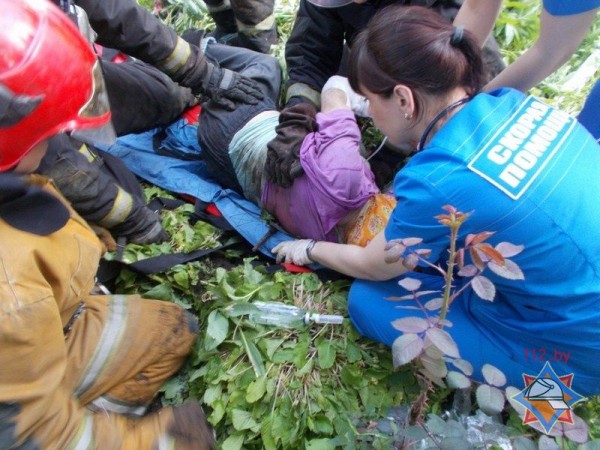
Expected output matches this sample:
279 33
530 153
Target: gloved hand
226 87
294 252
182 427
283 152
153 235
142 226
357 103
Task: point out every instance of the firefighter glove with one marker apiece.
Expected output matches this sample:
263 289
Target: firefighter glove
226 88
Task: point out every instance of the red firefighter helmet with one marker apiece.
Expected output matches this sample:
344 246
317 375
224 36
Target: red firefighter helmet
50 80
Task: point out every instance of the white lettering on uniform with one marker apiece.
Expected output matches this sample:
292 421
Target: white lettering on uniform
512 175
499 154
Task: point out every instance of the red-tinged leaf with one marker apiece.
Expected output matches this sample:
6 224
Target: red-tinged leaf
392 243
509 270
442 340
423 252
410 284
474 239
547 443
434 304
422 293
435 366
468 271
460 258
493 375
411 242
457 380
469 239
490 399
430 376
508 250
432 351
511 393
406 348
394 254
476 258
446 323
484 288
578 431
401 299
411 261
451 209
463 365
411 324
491 252
556 430
442 217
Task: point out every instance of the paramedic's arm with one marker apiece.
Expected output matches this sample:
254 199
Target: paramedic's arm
559 38
366 263
479 17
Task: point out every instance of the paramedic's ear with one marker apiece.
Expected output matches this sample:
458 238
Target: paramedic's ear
405 100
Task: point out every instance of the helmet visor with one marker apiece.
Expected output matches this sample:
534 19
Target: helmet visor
330 3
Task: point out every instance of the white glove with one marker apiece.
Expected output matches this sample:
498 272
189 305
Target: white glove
294 252
357 103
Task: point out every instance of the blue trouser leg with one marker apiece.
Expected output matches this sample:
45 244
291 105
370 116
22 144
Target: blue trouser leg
372 314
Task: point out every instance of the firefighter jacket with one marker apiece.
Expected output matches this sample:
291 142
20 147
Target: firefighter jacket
313 52
124 25
66 354
103 191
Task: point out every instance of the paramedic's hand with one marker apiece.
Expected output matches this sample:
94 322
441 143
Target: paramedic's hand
226 88
294 252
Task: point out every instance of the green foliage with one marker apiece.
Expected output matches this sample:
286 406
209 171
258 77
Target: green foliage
320 387
263 387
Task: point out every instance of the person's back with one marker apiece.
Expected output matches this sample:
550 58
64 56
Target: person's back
528 174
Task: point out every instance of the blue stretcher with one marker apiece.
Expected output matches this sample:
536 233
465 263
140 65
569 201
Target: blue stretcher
175 166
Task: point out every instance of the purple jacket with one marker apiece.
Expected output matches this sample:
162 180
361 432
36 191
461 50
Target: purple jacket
336 180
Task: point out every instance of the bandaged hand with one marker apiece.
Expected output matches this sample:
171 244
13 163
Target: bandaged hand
295 252
356 102
226 88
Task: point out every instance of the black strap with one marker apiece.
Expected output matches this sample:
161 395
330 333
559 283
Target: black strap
159 203
109 270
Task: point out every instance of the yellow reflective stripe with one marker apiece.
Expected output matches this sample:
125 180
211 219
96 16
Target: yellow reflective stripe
84 440
175 61
120 210
266 24
105 403
109 343
86 152
303 90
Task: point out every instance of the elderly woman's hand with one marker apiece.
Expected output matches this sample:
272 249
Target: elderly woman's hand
295 252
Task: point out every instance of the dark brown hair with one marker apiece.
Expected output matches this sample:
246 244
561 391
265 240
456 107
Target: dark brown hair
417 47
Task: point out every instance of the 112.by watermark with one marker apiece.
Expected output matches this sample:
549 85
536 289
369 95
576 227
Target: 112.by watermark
542 354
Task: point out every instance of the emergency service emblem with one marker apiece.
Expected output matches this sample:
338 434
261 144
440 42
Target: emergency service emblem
548 398
517 154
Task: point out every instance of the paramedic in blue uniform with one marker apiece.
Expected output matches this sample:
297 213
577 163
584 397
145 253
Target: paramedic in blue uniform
527 171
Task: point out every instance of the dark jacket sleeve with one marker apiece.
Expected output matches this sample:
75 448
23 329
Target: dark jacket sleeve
313 52
314 49
126 26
